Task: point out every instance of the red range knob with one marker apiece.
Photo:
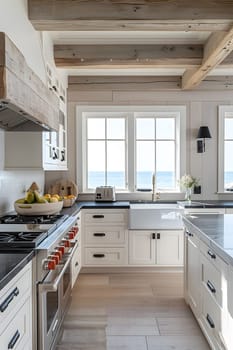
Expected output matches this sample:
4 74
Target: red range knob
51 265
58 253
66 243
56 258
71 234
61 249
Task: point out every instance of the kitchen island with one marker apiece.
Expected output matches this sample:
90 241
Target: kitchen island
209 275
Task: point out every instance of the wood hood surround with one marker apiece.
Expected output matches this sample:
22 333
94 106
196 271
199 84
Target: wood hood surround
37 107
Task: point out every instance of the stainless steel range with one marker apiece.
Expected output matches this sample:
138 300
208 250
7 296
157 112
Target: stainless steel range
55 239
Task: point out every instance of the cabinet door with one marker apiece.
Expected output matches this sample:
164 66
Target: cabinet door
170 247
193 274
142 247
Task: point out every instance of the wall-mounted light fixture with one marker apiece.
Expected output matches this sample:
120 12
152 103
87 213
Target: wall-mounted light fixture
203 133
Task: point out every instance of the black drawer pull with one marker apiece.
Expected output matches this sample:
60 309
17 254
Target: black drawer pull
158 235
153 235
189 234
14 340
76 264
210 321
212 255
9 299
99 234
100 216
98 255
211 287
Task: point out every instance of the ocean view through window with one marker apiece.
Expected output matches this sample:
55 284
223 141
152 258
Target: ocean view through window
122 147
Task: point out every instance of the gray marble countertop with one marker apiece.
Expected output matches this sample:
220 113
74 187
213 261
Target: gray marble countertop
215 230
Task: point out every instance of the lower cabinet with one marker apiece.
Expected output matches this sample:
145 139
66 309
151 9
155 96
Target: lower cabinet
142 247
207 283
16 312
163 248
105 237
192 272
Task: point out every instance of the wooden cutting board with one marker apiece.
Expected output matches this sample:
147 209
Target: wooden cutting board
64 188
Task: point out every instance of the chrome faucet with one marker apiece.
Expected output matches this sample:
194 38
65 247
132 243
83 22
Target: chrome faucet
155 194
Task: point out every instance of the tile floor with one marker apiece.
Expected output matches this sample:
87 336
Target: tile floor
130 312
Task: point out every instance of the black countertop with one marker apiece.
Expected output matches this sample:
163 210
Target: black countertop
77 206
12 262
215 230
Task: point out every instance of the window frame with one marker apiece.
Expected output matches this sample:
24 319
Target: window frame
130 113
223 112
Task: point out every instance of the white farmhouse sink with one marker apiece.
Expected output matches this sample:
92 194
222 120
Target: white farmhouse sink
151 216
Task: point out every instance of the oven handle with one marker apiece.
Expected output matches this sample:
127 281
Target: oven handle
52 287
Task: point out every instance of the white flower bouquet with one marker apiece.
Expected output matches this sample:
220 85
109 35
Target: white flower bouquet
188 181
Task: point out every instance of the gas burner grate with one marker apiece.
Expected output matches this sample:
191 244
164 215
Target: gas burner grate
37 219
21 239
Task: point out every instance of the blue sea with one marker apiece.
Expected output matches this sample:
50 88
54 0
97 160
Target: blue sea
164 179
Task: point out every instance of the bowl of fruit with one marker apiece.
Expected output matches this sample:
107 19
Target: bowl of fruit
35 204
68 201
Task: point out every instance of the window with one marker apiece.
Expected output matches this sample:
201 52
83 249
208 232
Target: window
156 138
106 151
125 146
225 168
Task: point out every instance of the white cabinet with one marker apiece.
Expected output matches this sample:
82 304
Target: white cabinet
16 312
206 281
170 248
142 247
37 150
192 272
214 318
163 248
105 237
55 146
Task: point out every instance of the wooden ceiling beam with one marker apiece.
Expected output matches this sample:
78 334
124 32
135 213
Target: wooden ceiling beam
168 15
127 56
217 48
145 83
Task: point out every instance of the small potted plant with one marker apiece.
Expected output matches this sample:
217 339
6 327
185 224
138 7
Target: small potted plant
187 182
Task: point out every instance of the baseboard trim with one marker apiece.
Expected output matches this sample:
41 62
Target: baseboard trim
132 269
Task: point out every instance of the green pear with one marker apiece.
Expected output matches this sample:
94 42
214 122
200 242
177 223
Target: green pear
30 197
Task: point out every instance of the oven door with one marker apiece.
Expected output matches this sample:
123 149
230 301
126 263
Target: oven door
53 297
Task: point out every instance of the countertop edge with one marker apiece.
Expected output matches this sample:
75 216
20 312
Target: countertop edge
16 269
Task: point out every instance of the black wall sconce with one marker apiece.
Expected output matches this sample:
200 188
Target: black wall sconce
203 133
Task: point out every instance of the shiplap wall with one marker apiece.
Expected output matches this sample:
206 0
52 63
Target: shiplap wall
202 109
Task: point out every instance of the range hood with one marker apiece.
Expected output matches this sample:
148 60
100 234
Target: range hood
13 118
26 103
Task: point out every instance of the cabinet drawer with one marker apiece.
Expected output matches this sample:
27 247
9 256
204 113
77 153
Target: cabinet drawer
105 256
105 216
105 235
213 281
18 331
214 320
213 258
13 294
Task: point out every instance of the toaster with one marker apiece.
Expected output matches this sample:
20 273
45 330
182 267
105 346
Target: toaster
105 194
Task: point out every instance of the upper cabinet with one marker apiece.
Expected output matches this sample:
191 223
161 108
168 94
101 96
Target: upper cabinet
55 146
36 150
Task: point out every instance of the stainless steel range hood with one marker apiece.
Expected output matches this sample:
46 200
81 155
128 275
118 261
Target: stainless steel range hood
13 118
26 103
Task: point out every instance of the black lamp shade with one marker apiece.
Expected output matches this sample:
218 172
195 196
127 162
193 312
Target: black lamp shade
203 133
